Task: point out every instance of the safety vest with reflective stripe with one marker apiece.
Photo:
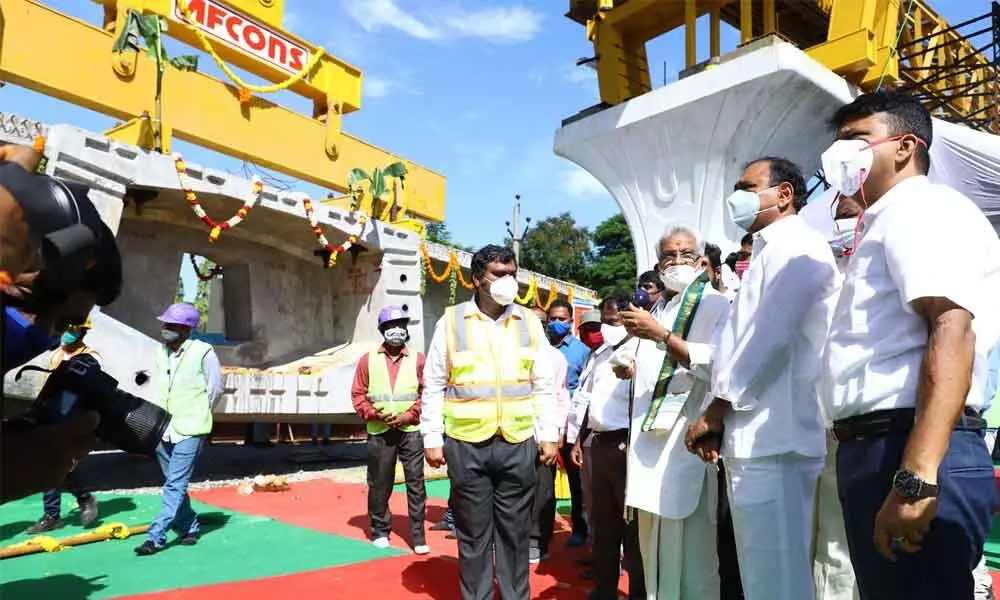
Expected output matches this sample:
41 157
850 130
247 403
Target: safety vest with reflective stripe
394 400
184 392
489 379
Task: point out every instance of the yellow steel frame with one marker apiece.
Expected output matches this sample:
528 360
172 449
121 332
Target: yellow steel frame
861 45
55 54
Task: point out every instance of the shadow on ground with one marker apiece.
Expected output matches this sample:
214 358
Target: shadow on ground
117 470
63 587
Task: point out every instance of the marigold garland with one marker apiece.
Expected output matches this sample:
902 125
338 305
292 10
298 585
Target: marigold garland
452 265
334 251
192 200
38 144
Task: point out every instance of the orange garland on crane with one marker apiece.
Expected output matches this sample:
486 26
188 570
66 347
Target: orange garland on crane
192 200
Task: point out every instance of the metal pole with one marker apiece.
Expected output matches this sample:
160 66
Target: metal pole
516 237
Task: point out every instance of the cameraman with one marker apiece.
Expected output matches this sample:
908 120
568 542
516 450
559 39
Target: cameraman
57 260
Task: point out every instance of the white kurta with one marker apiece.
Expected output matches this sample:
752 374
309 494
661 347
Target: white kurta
675 492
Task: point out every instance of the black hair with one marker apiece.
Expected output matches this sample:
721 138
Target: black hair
781 171
904 114
560 303
490 253
731 260
714 255
618 299
651 277
747 240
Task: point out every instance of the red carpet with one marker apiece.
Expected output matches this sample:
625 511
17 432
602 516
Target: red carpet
340 509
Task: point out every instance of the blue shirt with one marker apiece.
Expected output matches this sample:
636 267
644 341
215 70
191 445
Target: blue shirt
576 353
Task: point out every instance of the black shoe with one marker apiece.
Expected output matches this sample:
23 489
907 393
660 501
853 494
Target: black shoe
88 510
441 526
46 523
189 540
146 549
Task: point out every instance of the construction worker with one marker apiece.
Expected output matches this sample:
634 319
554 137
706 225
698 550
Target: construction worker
386 394
488 390
190 380
70 345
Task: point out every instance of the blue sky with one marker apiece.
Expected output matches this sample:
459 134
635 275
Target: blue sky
470 88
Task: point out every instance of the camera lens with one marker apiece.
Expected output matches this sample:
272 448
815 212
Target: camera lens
132 424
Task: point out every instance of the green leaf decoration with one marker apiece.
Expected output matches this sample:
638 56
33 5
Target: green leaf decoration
378 184
186 62
396 169
356 176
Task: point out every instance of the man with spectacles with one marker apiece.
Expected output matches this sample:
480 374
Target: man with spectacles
672 492
765 415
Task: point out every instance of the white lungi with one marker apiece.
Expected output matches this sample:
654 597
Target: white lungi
832 570
679 556
772 500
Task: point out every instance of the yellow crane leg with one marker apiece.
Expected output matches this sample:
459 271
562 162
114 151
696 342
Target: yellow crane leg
197 107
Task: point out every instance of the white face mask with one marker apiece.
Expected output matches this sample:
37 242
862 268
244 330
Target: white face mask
613 334
843 241
503 290
395 336
168 335
847 164
677 277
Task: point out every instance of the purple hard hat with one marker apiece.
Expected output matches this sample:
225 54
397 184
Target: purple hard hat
181 313
392 313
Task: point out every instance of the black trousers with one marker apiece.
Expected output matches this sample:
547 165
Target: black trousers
492 488
543 511
575 491
609 460
383 450
729 566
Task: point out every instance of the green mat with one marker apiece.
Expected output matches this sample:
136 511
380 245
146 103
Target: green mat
234 547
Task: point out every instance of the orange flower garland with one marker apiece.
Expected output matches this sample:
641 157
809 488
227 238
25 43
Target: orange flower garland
192 200
452 264
38 144
334 251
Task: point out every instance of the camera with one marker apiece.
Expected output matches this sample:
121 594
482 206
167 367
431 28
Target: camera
78 384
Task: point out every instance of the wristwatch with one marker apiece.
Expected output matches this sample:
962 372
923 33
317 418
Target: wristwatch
662 344
909 486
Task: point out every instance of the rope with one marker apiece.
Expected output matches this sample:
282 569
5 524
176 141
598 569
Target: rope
895 45
244 86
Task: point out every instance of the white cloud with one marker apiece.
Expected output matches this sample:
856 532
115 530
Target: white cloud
506 24
376 87
581 74
577 183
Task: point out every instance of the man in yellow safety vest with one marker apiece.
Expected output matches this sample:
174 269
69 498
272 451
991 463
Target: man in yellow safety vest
489 393
70 345
190 380
386 394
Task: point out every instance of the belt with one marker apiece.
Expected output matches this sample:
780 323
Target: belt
896 420
614 434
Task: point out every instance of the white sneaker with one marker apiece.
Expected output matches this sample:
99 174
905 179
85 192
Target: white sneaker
422 549
381 543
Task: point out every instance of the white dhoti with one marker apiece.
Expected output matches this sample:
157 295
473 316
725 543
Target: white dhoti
679 556
832 570
772 500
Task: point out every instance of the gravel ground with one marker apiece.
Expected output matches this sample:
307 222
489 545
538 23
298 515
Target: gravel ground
227 465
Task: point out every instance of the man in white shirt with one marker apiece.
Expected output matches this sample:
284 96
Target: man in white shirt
606 399
489 409
906 359
674 493
543 512
765 411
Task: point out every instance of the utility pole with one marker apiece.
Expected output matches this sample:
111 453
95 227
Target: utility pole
515 233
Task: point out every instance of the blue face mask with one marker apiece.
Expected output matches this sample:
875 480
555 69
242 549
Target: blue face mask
744 206
69 338
558 328
22 340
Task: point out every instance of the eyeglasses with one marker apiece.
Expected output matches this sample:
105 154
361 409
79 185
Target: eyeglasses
686 257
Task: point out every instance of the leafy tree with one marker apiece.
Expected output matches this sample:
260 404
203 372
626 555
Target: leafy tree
440 234
179 296
557 247
613 265
201 296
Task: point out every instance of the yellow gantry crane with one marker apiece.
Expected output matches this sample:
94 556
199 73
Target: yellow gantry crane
871 43
49 52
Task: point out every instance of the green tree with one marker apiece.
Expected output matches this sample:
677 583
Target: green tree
201 296
179 296
613 265
440 234
557 247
